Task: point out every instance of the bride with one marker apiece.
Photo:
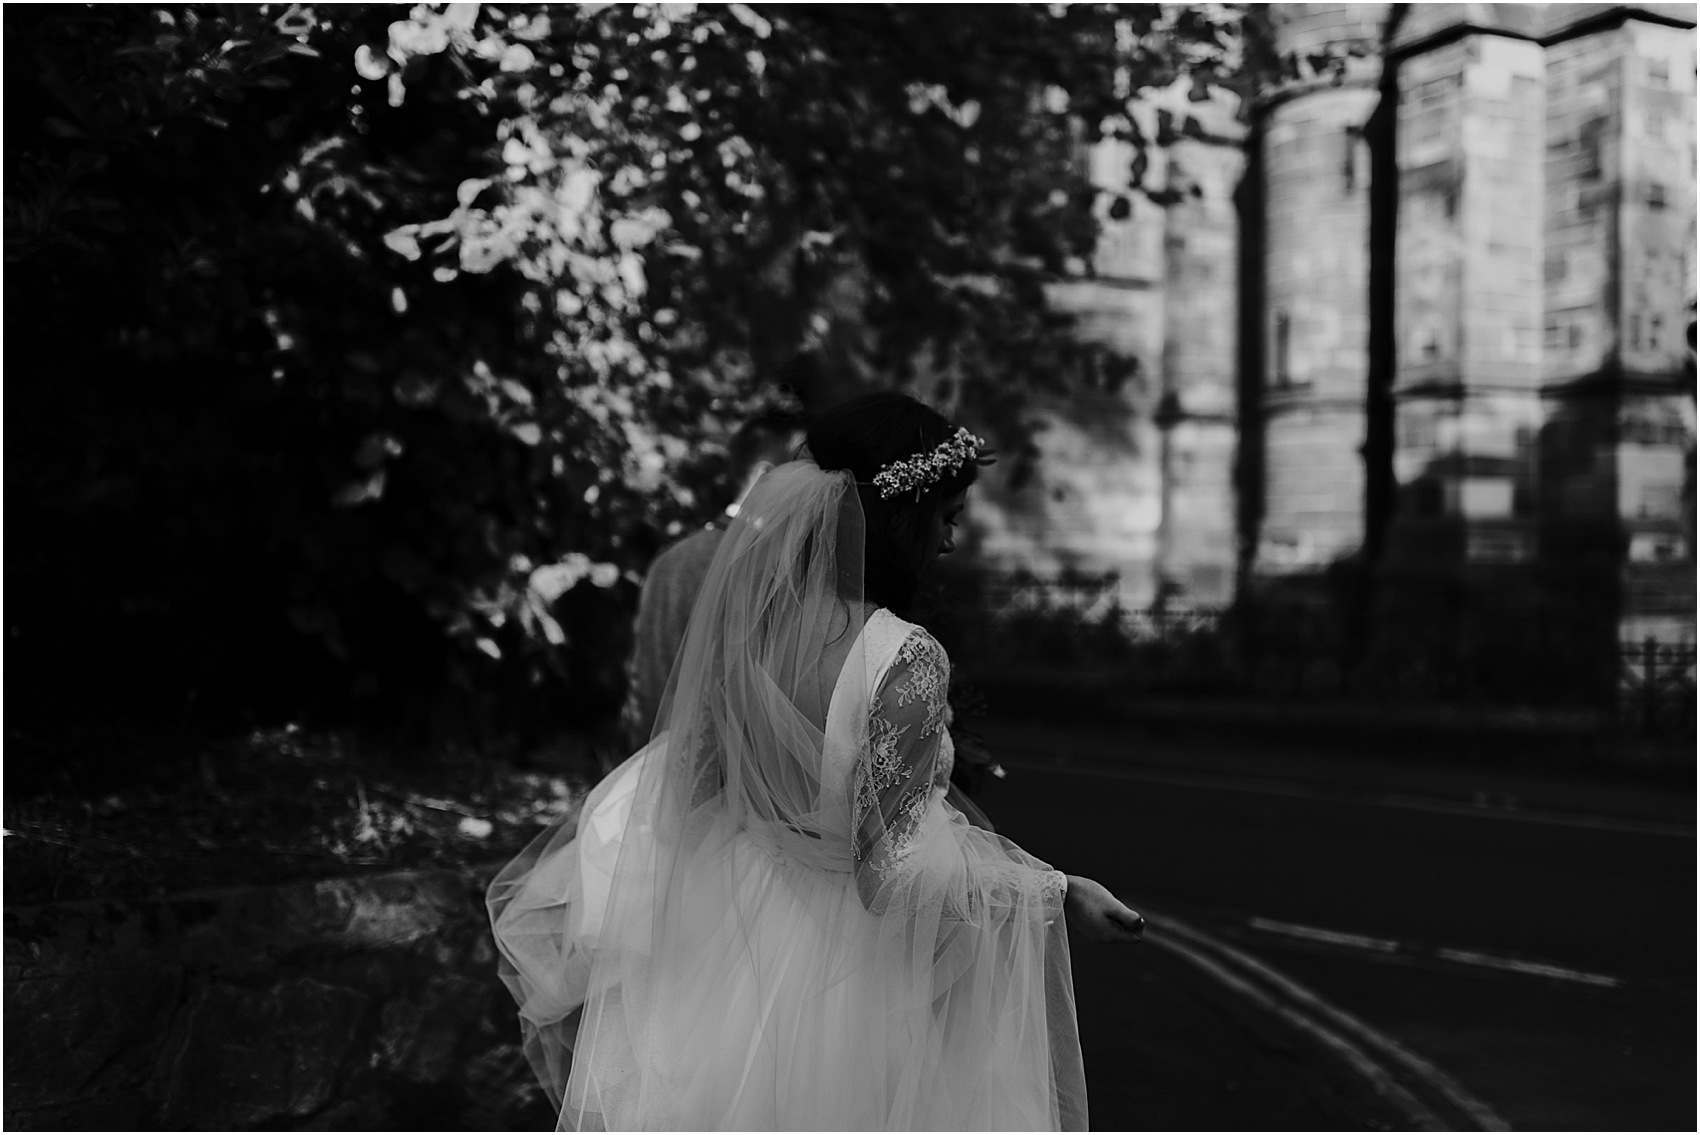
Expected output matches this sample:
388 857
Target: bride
769 917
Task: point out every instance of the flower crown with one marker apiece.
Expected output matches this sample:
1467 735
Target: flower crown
923 469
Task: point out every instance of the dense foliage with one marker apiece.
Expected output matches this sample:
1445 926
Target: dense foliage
361 355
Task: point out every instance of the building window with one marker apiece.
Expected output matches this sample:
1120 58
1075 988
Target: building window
1425 345
1283 349
1655 331
1434 92
1658 72
1575 336
1634 332
1655 196
1591 137
1349 158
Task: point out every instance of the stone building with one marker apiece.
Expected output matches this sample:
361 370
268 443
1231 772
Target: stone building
1423 306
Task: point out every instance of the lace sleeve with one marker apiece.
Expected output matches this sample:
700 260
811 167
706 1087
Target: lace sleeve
899 786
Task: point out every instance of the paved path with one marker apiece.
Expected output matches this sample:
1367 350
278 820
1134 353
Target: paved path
1393 944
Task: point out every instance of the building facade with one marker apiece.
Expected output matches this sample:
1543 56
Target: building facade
1424 306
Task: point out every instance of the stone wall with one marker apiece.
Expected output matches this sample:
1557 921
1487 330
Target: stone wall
1198 547
1138 480
1096 504
1316 272
363 1003
1466 270
1470 147
1655 419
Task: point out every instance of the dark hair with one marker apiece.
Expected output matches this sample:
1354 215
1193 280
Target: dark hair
864 434
770 436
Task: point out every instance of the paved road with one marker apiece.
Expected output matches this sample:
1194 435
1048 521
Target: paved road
1542 956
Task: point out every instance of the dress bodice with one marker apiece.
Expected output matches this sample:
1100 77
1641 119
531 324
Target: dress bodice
877 648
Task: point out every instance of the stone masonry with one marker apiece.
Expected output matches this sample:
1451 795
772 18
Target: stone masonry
1537 200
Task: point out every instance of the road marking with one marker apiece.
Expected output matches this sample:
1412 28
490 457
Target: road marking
1539 969
1417 1116
1339 796
1414 1066
1387 946
1332 937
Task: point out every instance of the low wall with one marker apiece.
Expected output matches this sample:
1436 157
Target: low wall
357 1003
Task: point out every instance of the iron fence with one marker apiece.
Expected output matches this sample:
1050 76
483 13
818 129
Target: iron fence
1655 688
1490 656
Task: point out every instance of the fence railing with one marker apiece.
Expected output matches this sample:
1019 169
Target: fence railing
1492 656
1655 688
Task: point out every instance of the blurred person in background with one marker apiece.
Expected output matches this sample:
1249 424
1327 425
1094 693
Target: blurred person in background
675 576
770 917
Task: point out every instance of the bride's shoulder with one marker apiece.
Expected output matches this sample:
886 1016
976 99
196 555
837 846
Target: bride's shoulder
889 624
907 642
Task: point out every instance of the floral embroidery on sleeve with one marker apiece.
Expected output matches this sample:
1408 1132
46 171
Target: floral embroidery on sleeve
901 778
928 679
885 768
905 726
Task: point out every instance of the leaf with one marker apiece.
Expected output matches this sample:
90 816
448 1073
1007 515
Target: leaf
360 492
404 242
552 632
376 449
747 16
517 57
368 64
467 192
460 17
414 389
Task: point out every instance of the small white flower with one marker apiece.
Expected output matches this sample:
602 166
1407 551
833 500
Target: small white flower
915 473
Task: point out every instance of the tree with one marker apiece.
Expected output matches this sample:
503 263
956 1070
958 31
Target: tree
373 346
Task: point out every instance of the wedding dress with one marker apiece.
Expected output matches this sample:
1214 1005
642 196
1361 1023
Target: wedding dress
770 917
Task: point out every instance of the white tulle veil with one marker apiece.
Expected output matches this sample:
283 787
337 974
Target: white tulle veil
708 890
740 735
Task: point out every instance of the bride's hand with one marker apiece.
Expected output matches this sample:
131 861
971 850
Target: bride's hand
1094 912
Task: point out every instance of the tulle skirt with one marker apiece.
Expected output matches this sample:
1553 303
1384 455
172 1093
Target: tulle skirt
761 994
